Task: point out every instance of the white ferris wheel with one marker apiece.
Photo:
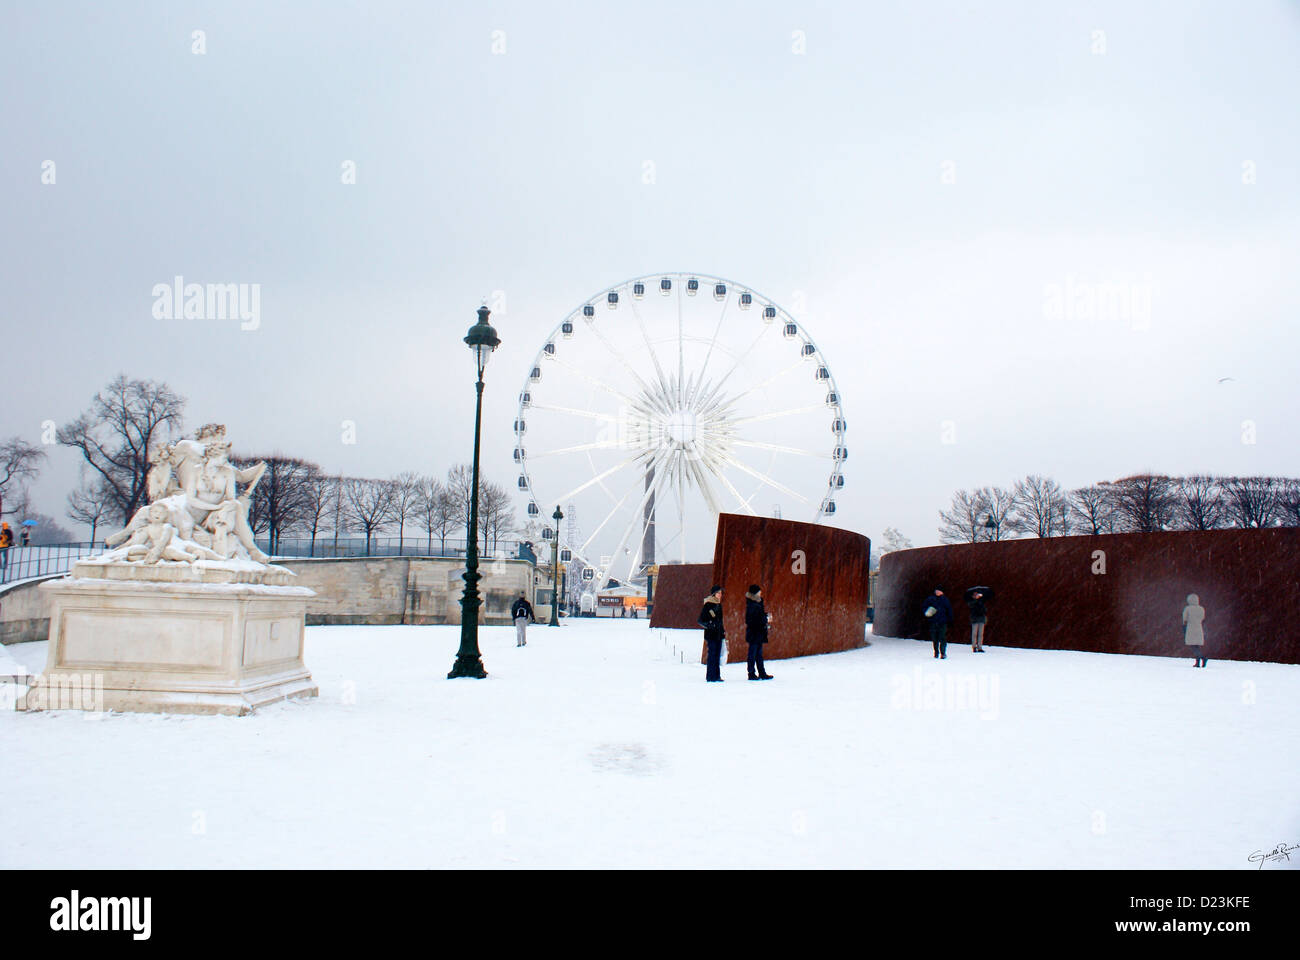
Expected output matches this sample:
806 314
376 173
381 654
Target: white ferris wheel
663 401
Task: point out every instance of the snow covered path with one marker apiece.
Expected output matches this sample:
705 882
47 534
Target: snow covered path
594 747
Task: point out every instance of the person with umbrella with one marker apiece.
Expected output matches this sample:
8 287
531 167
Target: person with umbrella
976 598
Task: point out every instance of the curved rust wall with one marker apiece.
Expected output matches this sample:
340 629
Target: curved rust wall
679 594
1048 596
822 609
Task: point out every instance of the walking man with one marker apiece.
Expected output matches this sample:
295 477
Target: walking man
522 612
711 621
978 617
756 622
938 611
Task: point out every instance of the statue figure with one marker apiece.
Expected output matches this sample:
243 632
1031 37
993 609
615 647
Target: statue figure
156 541
193 493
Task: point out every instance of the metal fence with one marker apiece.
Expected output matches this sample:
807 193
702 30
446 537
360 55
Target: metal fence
23 563
298 547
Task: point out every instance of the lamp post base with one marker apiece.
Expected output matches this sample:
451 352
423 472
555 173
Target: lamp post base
468 667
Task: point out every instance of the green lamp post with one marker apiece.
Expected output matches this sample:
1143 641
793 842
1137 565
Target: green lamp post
482 340
557 516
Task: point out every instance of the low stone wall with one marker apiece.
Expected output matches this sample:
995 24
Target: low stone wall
25 611
1115 593
377 590
420 590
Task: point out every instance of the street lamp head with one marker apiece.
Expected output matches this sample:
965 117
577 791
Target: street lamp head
557 516
482 339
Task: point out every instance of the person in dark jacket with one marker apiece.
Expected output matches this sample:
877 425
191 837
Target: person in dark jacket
979 616
711 621
938 613
522 614
756 621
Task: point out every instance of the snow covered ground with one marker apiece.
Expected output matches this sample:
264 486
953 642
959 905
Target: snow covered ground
594 746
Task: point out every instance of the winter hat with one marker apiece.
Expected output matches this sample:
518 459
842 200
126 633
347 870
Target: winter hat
754 588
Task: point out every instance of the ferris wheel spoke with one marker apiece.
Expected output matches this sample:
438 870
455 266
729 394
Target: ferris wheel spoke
715 464
739 360
589 414
775 414
720 403
595 445
702 481
779 448
598 384
648 392
763 478
601 476
712 343
638 513
638 556
645 336
609 516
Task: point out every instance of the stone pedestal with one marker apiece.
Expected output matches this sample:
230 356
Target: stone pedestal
169 646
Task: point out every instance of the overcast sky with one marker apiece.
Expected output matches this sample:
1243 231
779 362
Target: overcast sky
942 185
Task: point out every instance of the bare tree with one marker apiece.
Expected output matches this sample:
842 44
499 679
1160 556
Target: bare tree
999 506
1198 503
318 494
496 511
1289 503
460 485
1143 503
437 511
90 503
280 497
1252 501
406 502
338 508
370 505
1094 509
1041 509
114 436
19 462
963 522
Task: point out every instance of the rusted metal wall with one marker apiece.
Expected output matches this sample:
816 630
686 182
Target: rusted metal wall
679 594
814 581
1051 593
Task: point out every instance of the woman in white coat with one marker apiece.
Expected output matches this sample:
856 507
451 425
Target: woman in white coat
1193 633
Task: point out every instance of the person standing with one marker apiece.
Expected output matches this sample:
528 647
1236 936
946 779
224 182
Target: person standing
711 620
938 612
756 622
978 617
522 613
1193 632
6 541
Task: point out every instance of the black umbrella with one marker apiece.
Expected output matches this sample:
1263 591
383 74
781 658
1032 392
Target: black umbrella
971 591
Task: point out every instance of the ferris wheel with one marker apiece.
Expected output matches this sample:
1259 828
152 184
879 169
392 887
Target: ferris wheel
659 403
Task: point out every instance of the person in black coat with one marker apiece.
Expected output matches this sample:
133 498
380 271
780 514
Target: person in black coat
938 613
522 614
756 621
711 621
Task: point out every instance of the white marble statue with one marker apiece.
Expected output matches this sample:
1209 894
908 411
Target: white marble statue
196 511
